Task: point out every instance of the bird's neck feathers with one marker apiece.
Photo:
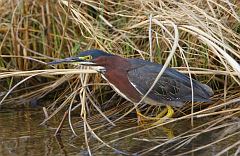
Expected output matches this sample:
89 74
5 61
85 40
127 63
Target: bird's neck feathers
112 62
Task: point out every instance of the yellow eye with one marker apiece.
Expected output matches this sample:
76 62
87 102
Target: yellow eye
87 58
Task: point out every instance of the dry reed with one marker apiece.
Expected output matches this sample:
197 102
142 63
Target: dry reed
200 38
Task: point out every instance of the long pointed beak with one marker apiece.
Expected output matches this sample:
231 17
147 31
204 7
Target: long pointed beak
74 60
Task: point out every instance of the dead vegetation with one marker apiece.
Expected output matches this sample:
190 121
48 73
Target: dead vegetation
200 38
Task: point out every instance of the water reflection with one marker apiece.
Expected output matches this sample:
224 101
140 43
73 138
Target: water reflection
21 134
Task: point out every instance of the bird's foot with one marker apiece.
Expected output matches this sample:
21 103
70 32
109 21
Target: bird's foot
142 119
161 117
164 115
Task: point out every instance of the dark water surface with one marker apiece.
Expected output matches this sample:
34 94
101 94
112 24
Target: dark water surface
21 135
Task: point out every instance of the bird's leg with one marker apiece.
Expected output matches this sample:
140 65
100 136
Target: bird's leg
140 117
161 118
162 113
166 113
167 110
170 112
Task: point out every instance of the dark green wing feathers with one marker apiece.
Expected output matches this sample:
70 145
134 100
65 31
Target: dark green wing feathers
172 88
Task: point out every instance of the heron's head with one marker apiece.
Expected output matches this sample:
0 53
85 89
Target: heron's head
83 58
87 58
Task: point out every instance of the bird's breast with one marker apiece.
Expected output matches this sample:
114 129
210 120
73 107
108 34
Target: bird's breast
120 83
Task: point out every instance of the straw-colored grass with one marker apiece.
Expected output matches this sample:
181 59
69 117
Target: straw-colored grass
199 38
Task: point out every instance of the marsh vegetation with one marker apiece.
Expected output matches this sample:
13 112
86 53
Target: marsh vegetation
201 39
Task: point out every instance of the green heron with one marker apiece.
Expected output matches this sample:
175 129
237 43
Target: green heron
132 78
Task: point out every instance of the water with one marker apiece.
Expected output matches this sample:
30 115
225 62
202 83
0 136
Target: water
22 135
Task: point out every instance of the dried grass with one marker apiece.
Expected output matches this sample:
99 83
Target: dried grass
200 38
